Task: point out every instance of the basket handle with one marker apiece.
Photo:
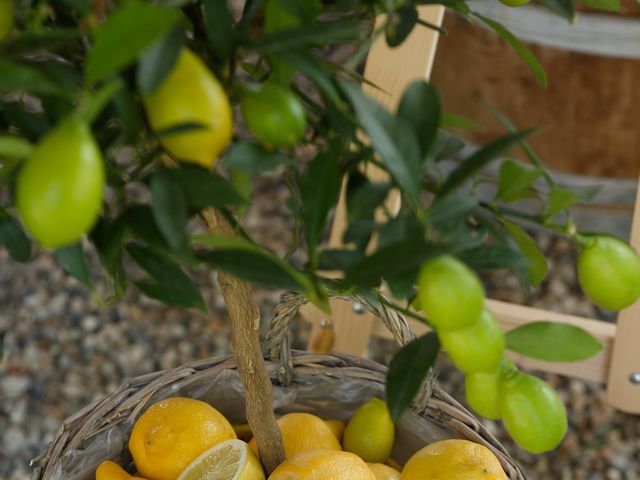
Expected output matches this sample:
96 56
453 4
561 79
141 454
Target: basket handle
277 341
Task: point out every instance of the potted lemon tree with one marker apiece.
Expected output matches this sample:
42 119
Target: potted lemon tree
134 128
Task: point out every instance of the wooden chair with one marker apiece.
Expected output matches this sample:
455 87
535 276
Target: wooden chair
351 328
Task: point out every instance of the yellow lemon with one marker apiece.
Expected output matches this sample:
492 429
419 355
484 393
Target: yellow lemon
337 427
112 471
323 465
172 433
453 460
370 432
190 93
384 472
230 460
302 432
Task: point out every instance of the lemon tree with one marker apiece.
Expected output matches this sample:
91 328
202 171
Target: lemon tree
125 124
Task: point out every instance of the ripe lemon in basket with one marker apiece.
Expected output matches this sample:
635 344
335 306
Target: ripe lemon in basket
384 472
172 433
370 432
337 427
302 432
112 471
230 460
453 460
323 465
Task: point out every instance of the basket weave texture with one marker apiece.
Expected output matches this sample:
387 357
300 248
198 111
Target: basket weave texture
293 368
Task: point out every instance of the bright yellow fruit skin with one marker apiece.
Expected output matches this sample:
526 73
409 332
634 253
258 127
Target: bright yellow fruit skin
302 432
337 427
60 188
453 460
191 94
172 433
112 471
323 465
384 472
370 432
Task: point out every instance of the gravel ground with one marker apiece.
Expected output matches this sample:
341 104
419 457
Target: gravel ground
62 350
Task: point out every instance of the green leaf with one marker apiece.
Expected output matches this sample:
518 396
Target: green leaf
392 260
218 24
606 5
515 180
14 240
310 35
241 181
158 60
523 52
537 262
451 208
170 284
253 158
479 159
559 199
451 120
202 188
128 32
338 259
446 146
319 191
128 110
305 10
23 77
493 257
107 236
392 137
564 8
401 24
250 262
169 208
73 261
553 342
408 371
363 196
139 219
422 107
14 147
316 69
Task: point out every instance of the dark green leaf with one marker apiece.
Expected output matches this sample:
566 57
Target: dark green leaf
23 77
169 208
479 159
128 111
607 5
392 137
170 284
398 229
314 68
82 7
305 10
537 261
493 257
304 37
421 105
401 286
363 196
400 24
523 52
241 181
107 236
158 60
319 191
396 259
202 188
359 232
451 208
553 341
127 33
139 219
219 28
408 371
179 128
14 240
446 146
250 262
251 157
515 180
337 259
564 8
73 261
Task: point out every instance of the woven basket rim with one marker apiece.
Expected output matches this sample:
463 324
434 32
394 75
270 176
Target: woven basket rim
129 400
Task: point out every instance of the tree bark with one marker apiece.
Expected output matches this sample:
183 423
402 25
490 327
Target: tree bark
245 330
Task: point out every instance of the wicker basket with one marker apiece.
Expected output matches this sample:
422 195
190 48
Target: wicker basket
332 385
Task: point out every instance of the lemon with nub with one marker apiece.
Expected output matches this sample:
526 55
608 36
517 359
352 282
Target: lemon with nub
370 432
112 471
302 432
453 460
384 472
337 427
323 465
230 460
172 433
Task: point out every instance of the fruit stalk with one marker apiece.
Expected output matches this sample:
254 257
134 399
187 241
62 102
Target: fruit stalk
245 340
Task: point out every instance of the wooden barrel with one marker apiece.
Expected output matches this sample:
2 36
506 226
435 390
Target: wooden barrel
590 107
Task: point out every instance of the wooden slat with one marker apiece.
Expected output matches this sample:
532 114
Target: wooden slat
625 360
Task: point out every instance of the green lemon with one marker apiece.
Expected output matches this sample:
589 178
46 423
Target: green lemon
370 432
609 272
450 294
